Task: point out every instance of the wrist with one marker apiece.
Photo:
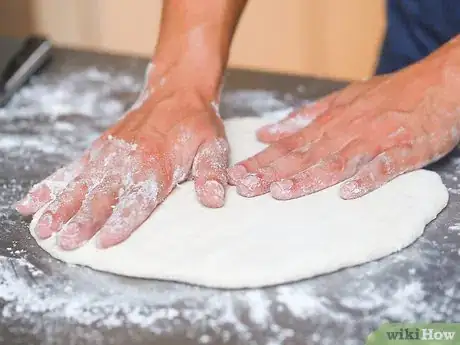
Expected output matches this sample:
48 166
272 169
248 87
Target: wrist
446 60
200 71
195 56
194 42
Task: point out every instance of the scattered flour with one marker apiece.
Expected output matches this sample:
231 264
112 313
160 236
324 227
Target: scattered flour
269 104
83 297
278 114
258 101
292 124
56 96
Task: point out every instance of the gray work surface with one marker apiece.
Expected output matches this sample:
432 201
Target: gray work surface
45 301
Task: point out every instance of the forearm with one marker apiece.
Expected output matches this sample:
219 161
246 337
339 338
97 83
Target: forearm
445 59
195 38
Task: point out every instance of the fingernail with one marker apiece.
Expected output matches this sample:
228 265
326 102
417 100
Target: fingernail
112 234
283 185
27 205
24 201
68 237
215 188
236 173
251 181
350 190
276 128
71 230
43 226
103 241
266 128
281 189
247 186
214 193
98 243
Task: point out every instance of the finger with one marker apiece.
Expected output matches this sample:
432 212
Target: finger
94 212
210 172
328 172
265 157
133 208
43 192
293 122
299 141
382 169
328 123
296 162
61 209
259 182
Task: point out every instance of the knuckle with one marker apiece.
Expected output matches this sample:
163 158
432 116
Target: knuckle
291 142
334 163
306 176
386 165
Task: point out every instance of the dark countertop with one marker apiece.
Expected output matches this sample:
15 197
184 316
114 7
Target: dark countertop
44 301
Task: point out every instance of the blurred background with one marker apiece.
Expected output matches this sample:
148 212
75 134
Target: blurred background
328 38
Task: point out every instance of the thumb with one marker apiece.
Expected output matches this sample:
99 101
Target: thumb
210 172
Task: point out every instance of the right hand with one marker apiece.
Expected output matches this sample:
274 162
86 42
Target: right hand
174 133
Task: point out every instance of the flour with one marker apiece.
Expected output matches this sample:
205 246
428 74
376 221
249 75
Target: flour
454 189
259 101
268 104
53 104
146 89
56 97
215 107
46 295
277 115
291 125
87 298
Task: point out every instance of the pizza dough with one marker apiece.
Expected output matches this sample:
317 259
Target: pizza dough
261 241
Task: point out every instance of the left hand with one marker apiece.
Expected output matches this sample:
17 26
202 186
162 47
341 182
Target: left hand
369 133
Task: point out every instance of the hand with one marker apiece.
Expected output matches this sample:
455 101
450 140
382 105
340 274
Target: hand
369 133
170 133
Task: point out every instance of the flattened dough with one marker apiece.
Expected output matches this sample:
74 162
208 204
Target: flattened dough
260 241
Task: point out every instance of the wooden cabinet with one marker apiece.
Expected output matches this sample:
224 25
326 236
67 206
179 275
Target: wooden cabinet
332 38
